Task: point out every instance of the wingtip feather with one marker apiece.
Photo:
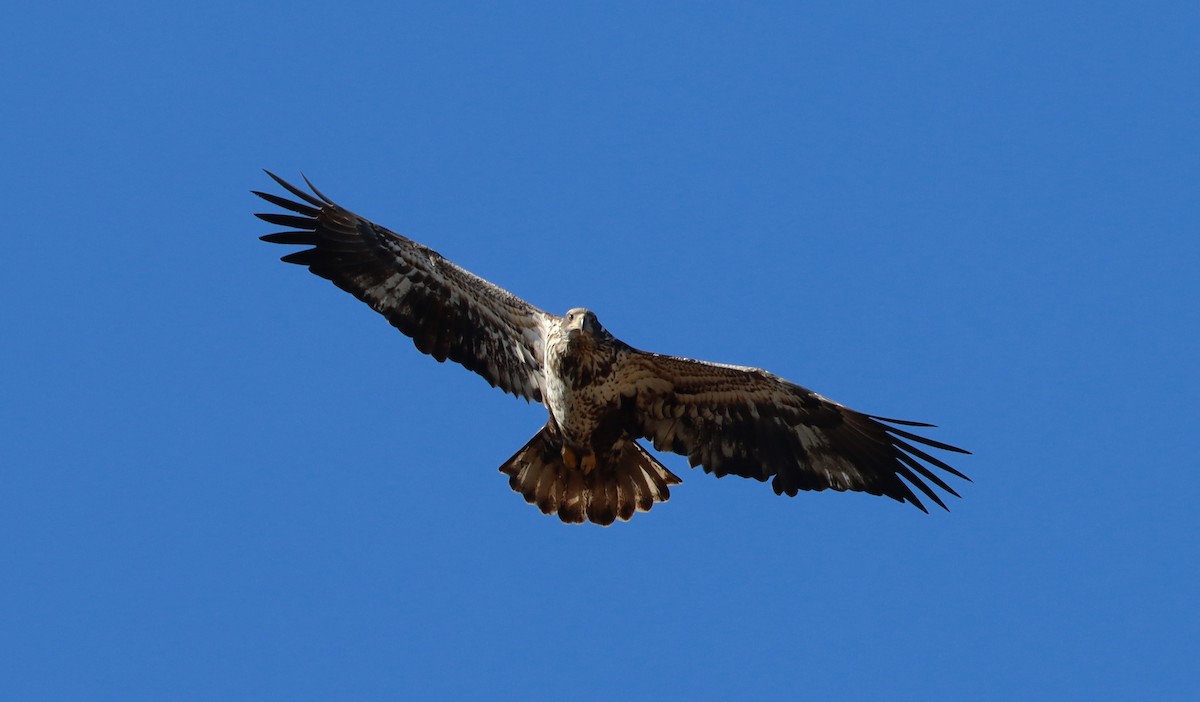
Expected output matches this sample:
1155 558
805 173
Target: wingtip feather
297 191
312 187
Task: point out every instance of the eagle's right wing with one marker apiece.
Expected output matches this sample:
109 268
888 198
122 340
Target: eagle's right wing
449 312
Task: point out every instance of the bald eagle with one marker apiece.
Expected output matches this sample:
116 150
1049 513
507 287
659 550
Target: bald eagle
602 395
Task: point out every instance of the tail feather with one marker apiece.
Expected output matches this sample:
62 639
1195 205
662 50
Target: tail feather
574 502
627 497
644 489
544 490
602 505
630 482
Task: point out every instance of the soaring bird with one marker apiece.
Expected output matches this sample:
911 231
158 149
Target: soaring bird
601 394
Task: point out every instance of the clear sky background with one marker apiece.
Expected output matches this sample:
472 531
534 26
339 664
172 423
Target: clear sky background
222 478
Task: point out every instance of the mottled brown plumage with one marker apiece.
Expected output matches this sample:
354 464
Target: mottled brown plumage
602 394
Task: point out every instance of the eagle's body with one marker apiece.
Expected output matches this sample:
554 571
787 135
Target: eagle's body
583 385
601 394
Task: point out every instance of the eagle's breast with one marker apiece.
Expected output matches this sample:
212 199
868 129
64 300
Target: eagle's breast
581 388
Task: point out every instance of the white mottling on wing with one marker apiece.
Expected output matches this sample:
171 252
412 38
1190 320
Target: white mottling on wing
811 439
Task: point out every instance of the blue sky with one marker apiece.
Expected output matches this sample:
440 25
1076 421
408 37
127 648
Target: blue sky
222 478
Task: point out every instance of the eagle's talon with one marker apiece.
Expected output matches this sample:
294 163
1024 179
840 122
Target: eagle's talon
569 457
588 463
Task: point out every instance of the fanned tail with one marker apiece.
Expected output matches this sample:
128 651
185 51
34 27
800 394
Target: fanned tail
630 482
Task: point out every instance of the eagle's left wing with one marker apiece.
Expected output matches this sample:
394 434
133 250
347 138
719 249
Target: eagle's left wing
748 422
449 312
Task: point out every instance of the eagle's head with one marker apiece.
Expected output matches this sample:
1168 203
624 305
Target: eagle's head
582 320
584 331
584 349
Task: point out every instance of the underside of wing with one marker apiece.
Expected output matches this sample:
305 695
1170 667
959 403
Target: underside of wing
732 420
449 312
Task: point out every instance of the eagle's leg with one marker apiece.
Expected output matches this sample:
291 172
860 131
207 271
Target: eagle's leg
573 460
